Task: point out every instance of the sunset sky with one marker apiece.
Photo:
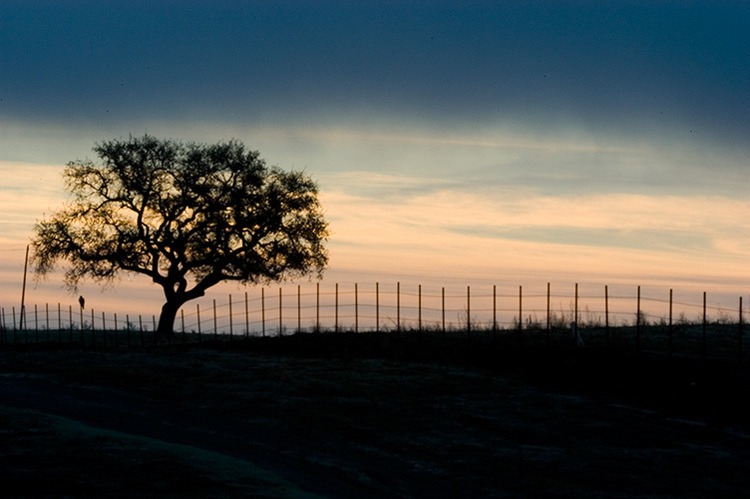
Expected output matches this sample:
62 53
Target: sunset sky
514 142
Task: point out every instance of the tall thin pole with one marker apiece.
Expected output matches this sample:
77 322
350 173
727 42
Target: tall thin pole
336 324
494 311
669 337
606 315
230 317
198 318
468 310
299 310
216 329
398 306
247 316
638 323
520 308
317 307
263 311
377 307
705 324
739 334
548 318
23 289
419 304
520 313
443 309
356 309
281 315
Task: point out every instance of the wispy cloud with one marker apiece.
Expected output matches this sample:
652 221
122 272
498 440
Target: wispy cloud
490 231
27 192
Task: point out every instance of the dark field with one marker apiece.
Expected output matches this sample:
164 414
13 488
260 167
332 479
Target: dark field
370 416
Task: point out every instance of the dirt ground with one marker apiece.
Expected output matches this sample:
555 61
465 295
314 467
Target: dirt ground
265 421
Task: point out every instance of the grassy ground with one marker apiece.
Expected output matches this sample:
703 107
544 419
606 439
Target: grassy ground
370 416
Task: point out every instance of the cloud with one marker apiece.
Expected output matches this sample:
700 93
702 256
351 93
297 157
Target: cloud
460 232
28 190
632 69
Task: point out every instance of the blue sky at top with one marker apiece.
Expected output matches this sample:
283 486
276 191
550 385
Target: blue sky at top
635 67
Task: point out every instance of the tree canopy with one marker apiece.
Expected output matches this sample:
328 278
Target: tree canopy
186 215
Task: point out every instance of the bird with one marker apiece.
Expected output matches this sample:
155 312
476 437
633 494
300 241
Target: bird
82 302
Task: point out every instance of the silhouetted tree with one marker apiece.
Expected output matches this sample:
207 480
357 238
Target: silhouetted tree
188 216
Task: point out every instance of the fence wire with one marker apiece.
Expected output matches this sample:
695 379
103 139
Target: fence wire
279 311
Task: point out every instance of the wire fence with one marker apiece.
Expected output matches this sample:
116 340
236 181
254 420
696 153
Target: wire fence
632 318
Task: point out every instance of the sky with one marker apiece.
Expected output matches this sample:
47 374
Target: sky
453 142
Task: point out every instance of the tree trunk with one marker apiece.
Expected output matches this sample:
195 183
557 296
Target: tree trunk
167 317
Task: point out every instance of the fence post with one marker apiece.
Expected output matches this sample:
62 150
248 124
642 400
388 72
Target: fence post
299 310
104 330
59 323
549 331
281 315
669 331
216 329
231 332
117 339
575 310
398 307
247 317
739 334
520 314
46 313
638 323
377 307
127 330
70 321
468 313
153 323
36 323
494 312
356 309
317 307
705 326
336 309
182 323
606 315
419 308
93 330
198 315
263 311
81 313
443 309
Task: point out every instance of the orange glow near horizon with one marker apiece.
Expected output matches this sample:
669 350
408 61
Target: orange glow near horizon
453 236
